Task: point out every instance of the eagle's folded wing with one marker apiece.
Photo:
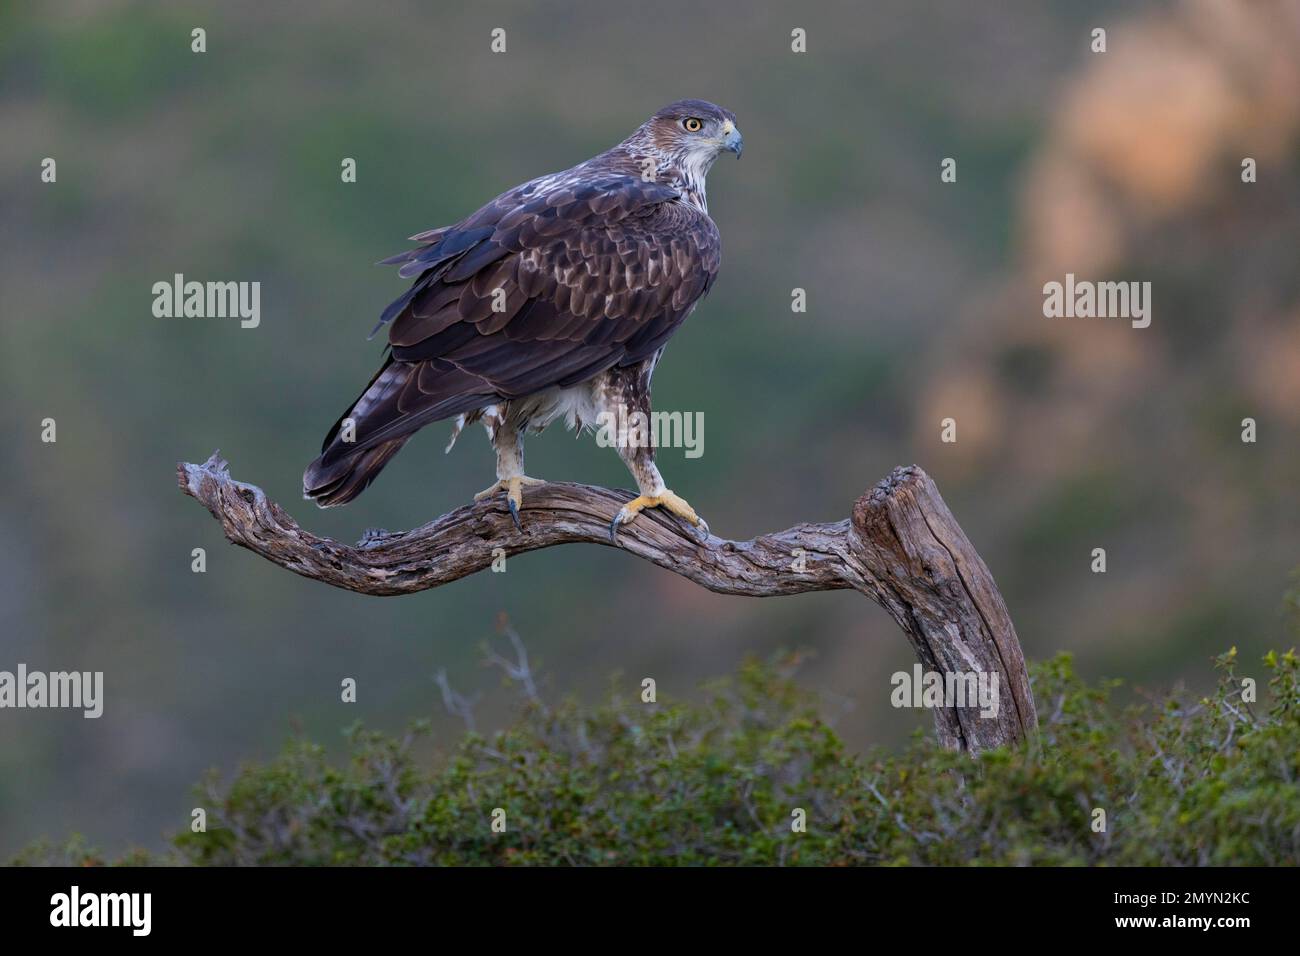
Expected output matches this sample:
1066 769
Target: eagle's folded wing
547 285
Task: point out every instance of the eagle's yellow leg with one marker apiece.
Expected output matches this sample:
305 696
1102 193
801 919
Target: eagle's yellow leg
514 489
670 502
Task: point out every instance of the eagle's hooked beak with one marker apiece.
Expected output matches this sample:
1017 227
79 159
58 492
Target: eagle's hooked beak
731 139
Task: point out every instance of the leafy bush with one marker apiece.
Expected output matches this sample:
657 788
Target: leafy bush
1213 781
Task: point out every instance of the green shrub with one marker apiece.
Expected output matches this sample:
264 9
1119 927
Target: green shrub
1183 782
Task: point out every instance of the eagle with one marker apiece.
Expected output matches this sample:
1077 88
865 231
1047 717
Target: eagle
554 301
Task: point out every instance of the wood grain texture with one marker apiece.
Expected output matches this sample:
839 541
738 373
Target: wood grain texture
902 547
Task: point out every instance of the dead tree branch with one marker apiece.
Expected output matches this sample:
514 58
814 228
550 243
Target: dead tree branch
901 547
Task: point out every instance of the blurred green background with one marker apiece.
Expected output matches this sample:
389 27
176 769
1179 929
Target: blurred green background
924 303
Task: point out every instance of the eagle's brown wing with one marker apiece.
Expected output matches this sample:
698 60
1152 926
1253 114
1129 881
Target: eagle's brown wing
547 285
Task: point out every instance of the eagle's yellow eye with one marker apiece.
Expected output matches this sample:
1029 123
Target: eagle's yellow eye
692 125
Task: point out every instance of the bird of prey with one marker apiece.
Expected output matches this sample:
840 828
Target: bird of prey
553 301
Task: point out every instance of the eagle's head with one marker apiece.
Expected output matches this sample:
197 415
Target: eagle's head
686 137
693 131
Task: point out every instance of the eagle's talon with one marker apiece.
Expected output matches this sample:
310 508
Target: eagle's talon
699 530
669 502
514 489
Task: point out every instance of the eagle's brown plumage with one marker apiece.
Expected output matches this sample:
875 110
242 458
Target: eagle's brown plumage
553 300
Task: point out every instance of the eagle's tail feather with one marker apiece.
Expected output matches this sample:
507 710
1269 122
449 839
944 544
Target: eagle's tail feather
344 468
339 481
388 412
